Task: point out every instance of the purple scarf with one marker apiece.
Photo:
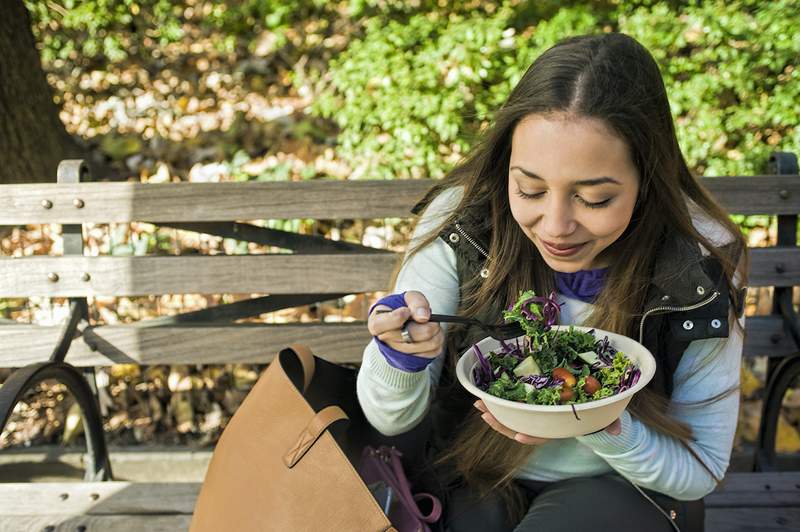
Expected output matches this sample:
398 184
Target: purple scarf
583 284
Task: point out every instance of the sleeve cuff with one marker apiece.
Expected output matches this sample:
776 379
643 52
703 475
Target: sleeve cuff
604 443
377 365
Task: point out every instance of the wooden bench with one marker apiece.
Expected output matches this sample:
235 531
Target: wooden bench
318 269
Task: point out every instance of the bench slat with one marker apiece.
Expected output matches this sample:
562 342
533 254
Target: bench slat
185 344
765 336
742 503
777 489
774 266
752 519
267 273
199 202
760 194
202 202
116 497
117 523
22 344
230 274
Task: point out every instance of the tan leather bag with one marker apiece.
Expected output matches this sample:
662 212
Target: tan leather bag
276 467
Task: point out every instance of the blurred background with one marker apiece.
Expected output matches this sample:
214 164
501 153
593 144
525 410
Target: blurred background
265 90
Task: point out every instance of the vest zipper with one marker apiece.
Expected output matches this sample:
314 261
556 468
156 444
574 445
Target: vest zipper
470 240
484 270
674 309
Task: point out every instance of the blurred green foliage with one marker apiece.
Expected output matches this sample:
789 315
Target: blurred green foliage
406 93
67 29
417 80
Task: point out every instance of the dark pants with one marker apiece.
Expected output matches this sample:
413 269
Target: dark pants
606 502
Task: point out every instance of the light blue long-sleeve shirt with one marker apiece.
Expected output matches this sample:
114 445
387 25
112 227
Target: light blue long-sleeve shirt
394 401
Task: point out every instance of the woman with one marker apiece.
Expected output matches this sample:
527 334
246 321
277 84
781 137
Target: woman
578 186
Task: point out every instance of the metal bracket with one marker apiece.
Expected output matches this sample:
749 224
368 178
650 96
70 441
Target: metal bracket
300 244
77 311
241 309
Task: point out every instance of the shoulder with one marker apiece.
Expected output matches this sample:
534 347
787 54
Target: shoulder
436 209
709 227
438 202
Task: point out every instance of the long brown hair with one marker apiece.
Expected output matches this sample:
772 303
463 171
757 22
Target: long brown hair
614 79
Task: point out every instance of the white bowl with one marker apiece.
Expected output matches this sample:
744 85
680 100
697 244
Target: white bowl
559 421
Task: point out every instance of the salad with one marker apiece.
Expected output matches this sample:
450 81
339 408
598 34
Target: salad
551 367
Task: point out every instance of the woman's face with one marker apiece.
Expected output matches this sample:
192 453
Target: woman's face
581 187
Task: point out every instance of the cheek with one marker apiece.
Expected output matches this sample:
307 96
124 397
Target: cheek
524 214
611 223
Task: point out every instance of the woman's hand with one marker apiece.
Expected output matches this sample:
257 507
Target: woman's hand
614 428
386 325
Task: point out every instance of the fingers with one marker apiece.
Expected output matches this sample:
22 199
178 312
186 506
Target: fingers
430 348
387 324
505 431
417 308
381 322
428 339
615 428
418 303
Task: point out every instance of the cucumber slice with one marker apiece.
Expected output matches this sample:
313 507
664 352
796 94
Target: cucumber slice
527 367
590 357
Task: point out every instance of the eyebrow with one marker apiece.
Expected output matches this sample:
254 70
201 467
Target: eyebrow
582 182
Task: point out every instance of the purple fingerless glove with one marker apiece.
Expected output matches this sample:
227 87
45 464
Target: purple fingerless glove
395 358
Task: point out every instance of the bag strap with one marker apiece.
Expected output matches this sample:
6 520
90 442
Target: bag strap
402 480
306 357
312 432
403 486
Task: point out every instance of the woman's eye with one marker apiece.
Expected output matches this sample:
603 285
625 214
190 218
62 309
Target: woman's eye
595 205
589 204
522 194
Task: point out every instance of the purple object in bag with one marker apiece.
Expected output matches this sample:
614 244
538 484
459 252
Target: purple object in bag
384 465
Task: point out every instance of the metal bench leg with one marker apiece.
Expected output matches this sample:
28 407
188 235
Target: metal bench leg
98 466
780 372
785 373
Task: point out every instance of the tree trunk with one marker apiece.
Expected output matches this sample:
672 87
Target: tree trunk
32 137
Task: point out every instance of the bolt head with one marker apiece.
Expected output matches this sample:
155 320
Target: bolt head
47 204
53 277
78 203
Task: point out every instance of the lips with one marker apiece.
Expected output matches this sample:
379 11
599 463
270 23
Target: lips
562 246
562 250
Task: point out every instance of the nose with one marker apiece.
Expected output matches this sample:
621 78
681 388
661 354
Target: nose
557 219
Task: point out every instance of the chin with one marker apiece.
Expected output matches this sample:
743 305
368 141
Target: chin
567 267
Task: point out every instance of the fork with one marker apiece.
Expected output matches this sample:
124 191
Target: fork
498 332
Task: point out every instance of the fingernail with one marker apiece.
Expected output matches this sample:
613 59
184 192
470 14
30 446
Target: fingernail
422 313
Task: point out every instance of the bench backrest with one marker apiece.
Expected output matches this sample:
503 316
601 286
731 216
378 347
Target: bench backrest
318 268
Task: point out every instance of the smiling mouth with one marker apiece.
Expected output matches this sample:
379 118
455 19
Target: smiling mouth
562 250
562 247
